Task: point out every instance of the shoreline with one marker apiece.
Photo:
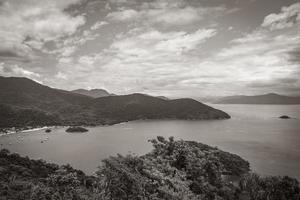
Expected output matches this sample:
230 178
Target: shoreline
13 130
10 131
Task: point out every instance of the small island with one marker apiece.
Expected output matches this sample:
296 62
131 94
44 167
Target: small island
285 117
76 129
48 130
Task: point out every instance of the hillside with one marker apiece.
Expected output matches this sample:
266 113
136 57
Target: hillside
172 170
270 98
95 93
27 103
12 117
59 107
139 106
25 93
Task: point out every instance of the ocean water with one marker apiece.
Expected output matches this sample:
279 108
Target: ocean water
270 144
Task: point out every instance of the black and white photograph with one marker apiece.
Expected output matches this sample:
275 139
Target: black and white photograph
149 99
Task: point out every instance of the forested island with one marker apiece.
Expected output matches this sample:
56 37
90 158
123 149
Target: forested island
174 169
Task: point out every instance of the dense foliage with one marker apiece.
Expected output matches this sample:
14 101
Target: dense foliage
173 170
22 178
13 117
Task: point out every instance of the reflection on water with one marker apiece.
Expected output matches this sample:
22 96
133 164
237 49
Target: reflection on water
255 132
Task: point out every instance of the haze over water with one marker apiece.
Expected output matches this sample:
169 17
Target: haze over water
254 132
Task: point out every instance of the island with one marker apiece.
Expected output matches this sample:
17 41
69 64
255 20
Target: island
285 117
76 129
174 169
48 130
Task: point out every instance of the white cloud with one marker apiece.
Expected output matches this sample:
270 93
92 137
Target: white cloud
68 50
23 72
137 61
288 17
261 58
65 60
156 47
86 60
61 75
67 47
152 43
26 26
99 24
157 62
123 15
16 70
169 13
180 16
185 42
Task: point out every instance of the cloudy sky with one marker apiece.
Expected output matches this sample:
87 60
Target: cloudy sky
176 48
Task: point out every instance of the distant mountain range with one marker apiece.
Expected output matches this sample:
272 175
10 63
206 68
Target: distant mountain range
95 93
270 98
24 102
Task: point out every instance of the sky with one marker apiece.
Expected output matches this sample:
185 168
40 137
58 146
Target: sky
175 48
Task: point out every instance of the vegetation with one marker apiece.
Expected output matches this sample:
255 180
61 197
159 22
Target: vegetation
23 178
173 170
74 129
21 118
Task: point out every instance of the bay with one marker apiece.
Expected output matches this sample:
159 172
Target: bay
254 132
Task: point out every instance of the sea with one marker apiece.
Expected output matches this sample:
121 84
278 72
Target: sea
254 132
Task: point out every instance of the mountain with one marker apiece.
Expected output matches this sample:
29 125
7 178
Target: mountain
139 106
270 98
95 93
27 103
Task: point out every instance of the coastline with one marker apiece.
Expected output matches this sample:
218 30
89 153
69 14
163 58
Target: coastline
9 131
14 130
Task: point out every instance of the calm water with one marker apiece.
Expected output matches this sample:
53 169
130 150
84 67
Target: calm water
271 145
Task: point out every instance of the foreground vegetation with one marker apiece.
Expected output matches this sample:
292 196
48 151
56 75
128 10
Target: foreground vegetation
173 170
